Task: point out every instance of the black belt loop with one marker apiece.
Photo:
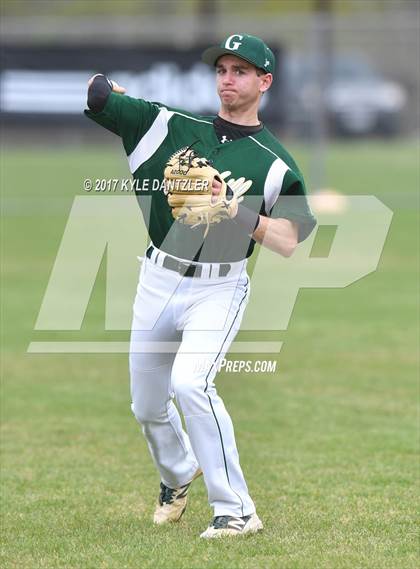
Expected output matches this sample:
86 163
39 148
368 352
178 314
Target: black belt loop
186 269
224 269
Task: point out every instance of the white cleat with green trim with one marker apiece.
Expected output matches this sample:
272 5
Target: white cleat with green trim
222 526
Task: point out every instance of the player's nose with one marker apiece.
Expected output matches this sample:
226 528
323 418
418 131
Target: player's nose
227 78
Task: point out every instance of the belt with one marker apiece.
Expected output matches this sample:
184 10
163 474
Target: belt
189 269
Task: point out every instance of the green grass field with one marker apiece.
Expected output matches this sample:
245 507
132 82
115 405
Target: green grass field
328 443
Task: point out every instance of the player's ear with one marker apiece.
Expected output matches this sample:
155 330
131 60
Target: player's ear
265 82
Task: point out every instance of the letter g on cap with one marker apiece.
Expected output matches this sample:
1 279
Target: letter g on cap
233 45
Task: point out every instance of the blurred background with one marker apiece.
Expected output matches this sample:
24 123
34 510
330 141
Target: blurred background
345 68
358 60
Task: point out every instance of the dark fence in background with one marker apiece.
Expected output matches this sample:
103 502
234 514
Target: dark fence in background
44 85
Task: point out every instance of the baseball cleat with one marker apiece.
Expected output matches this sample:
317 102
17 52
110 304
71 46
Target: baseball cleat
172 502
230 525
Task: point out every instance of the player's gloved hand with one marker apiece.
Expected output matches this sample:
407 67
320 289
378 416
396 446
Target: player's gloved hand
196 191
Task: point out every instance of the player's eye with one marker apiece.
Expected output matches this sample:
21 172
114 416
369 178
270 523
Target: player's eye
219 71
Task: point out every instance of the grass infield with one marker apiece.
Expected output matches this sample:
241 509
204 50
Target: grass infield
328 443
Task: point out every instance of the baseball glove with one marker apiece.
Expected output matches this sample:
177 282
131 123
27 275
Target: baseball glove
188 186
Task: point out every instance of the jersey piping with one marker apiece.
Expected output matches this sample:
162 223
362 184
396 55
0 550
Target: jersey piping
191 118
154 137
151 141
274 183
274 179
265 147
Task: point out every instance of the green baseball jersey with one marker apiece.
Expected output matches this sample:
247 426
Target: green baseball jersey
152 132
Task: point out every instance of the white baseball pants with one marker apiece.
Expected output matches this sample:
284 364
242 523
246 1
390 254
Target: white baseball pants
182 328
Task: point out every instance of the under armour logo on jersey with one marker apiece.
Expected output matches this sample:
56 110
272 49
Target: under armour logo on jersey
235 44
225 139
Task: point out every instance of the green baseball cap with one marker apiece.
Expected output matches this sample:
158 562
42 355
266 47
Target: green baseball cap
245 46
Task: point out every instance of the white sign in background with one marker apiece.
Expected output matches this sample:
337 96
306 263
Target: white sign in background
64 92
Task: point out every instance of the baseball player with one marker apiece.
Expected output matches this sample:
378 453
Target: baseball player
209 188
